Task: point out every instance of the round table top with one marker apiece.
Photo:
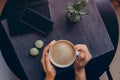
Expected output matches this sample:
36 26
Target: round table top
100 63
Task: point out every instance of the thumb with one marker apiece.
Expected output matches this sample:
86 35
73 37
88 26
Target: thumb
81 56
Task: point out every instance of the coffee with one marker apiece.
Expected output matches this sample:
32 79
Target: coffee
62 53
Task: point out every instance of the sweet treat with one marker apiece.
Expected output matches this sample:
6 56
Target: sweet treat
39 44
34 51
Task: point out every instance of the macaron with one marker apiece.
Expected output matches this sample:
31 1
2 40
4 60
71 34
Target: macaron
39 44
34 51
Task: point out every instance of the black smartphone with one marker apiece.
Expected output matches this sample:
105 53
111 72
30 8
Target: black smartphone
36 21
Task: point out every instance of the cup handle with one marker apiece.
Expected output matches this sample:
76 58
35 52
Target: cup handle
77 53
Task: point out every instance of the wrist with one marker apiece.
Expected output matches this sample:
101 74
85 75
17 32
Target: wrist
80 71
80 75
49 78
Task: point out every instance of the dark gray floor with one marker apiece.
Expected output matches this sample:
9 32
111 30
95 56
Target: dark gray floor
5 72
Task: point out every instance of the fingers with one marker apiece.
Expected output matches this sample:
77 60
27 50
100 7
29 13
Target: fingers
81 47
43 59
88 57
43 62
84 56
45 54
46 49
49 45
48 64
84 49
81 60
79 64
47 61
81 56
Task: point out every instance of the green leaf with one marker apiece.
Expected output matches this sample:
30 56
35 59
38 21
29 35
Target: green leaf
76 12
70 8
83 12
71 11
77 17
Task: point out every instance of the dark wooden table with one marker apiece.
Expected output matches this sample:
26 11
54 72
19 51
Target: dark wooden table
88 34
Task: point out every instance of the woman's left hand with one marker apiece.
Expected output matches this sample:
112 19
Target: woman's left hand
47 66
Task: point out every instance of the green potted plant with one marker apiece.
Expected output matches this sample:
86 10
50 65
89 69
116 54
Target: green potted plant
76 10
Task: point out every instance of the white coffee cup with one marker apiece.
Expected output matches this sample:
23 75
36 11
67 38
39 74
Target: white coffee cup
63 54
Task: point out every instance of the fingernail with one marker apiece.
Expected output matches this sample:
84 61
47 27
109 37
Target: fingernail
54 40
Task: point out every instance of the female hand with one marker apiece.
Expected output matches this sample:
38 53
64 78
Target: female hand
47 66
81 61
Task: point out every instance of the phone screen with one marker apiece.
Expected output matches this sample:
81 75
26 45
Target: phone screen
36 21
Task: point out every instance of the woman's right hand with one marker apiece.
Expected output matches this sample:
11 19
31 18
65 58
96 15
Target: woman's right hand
83 58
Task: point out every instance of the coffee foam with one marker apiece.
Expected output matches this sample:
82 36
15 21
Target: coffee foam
62 53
